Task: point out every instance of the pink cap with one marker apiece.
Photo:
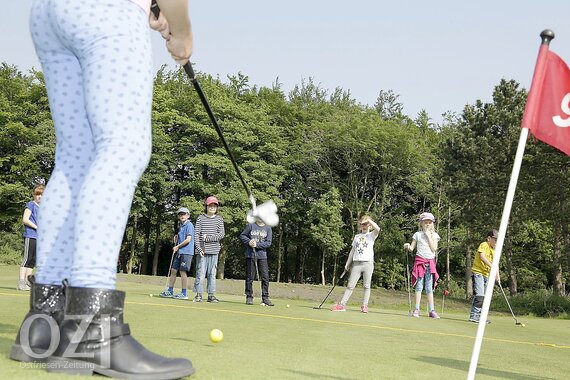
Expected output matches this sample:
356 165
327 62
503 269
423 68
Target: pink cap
211 200
427 216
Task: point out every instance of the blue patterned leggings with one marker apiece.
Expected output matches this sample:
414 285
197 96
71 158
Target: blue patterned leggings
96 59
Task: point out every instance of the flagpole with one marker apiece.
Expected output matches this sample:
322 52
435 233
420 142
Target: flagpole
528 118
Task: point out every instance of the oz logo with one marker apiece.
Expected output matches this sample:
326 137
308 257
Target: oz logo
559 121
71 350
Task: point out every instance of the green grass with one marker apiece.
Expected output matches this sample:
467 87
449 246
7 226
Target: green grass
300 342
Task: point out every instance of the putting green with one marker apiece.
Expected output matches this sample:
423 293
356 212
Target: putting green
299 342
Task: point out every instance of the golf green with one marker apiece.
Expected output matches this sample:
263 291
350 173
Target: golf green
300 342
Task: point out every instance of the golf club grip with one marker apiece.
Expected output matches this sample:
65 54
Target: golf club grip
190 72
154 8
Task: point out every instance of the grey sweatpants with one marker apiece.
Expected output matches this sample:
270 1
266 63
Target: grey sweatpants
359 268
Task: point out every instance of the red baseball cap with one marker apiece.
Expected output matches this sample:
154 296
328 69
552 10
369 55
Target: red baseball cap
212 199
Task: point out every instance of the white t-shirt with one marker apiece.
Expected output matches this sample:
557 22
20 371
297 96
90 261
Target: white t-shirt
363 245
422 245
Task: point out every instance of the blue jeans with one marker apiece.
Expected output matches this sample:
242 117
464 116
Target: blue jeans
479 287
206 267
425 282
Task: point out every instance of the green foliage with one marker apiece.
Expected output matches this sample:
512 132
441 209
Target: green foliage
390 273
325 160
541 303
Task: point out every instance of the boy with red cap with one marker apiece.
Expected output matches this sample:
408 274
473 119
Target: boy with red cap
208 233
424 273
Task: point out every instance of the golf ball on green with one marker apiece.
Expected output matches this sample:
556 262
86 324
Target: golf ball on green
216 336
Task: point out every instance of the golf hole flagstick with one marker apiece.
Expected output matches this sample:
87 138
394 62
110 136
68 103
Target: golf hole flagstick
267 211
330 291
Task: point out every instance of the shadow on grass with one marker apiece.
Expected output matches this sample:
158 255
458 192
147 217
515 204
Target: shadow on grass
16 291
4 328
314 375
463 365
184 340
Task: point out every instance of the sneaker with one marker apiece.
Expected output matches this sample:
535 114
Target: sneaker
338 307
23 286
198 298
477 321
364 309
249 301
213 299
166 294
180 296
416 313
267 302
433 315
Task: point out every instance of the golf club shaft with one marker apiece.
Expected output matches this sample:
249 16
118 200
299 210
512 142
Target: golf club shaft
257 271
169 270
408 281
190 72
508 304
334 286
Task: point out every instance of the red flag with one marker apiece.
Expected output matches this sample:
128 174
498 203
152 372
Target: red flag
547 112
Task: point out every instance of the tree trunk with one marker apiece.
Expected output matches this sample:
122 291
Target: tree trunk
298 265
221 262
468 263
123 252
557 262
323 268
144 260
512 275
335 267
279 253
156 249
133 245
286 273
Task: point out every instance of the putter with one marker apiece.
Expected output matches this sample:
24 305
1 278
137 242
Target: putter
169 269
330 291
257 271
517 323
267 211
408 283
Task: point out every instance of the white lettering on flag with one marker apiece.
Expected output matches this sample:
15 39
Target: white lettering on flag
560 122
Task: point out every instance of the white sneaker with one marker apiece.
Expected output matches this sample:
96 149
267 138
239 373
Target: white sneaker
23 286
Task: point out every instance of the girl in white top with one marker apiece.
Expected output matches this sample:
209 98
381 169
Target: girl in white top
424 274
361 262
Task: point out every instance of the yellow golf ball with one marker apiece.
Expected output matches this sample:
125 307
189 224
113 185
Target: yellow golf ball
522 324
288 305
150 295
216 335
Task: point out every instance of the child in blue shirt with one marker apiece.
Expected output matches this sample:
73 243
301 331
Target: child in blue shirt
182 253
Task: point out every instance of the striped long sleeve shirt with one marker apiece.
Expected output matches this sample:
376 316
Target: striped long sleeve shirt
208 233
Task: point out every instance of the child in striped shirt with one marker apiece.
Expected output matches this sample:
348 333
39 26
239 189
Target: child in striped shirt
208 233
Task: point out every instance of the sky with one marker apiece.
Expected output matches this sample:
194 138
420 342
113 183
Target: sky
436 55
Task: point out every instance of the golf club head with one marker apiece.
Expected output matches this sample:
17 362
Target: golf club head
266 212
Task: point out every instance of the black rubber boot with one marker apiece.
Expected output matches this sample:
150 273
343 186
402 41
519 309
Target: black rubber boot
95 339
40 327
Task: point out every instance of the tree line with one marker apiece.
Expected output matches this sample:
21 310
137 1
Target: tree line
325 159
